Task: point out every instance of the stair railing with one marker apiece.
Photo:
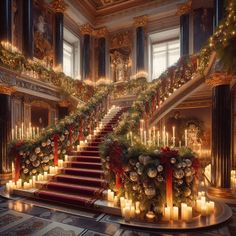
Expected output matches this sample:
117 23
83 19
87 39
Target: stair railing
33 157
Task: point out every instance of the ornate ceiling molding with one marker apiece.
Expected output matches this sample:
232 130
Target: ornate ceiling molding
101 32
86 29
59 6
184 8
219 78
140 21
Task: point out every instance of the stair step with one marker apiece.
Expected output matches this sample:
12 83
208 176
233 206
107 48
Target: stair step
81 180
91 148
73 188
83 172
89 153
64 198
80 164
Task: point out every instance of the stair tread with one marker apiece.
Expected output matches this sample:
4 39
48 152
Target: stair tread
84 162
80 178
83 170
76 186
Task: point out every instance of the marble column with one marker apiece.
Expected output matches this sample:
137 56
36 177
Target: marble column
221 134
27 27
101 34
6 20
140 23
87 31
59 6
219 7
202 27
5 133
184 34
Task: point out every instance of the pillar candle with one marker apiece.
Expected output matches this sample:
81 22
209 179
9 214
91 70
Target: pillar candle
175 213
212 206
189 213
183 211
145 137
45 175
30 183
122 202
158 138
167 139
66 157
132 211
56 169
167 213
127 213
198 205
186 137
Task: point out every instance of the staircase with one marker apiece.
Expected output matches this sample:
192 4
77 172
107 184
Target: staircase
81 181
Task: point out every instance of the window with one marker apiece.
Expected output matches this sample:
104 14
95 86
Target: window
164 54
68 59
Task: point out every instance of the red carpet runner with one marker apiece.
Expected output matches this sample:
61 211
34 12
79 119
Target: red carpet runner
81 182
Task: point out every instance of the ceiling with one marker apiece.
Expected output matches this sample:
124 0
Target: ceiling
105 3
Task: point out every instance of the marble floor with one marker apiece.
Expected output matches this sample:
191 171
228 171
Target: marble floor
25 217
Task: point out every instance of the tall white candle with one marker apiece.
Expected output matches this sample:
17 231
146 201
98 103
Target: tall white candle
167 139
175 213
167 213
186 137
158 138
164 136
173 131
145 137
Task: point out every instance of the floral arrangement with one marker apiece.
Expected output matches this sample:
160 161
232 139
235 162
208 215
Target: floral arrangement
144 173
35 156
14 60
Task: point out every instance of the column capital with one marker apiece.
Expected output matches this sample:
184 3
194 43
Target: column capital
184 8
86 29
59 6
140 21
101 32
6 90
219 78
64 103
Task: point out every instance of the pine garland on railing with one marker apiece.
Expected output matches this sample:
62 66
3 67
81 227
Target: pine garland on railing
34 156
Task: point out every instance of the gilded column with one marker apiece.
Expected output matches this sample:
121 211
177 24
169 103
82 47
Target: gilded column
140 22
101 34
219 7
6 20
59 7
221 133
183 12
5 132
27 27
87 31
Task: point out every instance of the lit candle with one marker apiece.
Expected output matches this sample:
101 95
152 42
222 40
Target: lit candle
198 205
211 206
173 132
183 211
203 210
122 202
127 213
141 135
116 200
33 179
175 213
145 137
30 183
158 138
167 213
132 211
56 169
78 148
186 137
45 175
66 157
164 137
167 139
189 213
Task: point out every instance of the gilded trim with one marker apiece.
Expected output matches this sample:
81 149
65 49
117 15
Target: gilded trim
184 8
101 32
64 103
59 6
86 29
219 78
6 90
140 21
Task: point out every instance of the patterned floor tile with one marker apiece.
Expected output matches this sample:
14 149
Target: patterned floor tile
9 219
28 227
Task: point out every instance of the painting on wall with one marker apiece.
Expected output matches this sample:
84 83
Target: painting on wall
43 32
120 55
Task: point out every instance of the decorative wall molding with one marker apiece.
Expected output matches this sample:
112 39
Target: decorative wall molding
28 86
101 32
184 8
219 78
86 29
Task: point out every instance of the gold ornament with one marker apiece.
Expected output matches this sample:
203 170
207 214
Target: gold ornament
140 21
59 6
6 90
101 32
219 78
86 29
184 8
